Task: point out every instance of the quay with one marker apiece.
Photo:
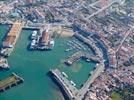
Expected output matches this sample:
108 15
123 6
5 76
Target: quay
42 40
99 69
30 28
11 38
46 42
10 82
81 55
89 42
70 90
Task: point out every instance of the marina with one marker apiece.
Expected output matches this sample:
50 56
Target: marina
66 49
38 62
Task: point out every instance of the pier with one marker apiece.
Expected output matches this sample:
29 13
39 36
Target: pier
46 41
9 82
11 38
81 55
70 90
99 69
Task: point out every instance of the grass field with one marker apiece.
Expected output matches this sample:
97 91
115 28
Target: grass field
116 96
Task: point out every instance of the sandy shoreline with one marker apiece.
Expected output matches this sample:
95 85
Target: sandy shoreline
63 32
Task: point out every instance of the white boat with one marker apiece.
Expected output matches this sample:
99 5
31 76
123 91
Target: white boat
52 43
34 35
4 63
33 44
73 83
64 74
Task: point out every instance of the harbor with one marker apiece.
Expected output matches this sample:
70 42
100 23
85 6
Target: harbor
66 49
34 66
41 41
10 82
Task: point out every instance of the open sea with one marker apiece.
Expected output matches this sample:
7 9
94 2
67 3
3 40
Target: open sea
33 66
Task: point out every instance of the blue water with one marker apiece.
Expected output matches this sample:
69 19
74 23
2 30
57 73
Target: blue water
33 66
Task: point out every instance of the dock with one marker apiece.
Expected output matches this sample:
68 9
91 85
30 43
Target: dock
10 82
70 90
81 55
99 69
89 42
11 38
46 42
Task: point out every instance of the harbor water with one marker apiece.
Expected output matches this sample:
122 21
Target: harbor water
33 66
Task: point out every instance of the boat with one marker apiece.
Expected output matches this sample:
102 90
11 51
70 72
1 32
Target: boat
88 60
72 83
52 44
69 49
64 74
34 35
3 63
33 44
6 52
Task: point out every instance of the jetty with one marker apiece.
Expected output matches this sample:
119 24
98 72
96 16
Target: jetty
72 93
81 55
46 42
11 38
42 40
70 90
10 82
99 69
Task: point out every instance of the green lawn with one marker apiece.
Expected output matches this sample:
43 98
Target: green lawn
116 96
